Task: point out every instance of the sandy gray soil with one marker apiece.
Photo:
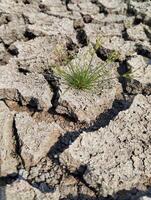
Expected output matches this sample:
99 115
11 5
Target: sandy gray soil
95 145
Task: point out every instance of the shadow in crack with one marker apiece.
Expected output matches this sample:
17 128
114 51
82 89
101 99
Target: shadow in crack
69 115
104 118
133 194
4 180
9 179
2 193
80 197
2 189
101 121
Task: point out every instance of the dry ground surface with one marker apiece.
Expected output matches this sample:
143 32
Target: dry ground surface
96 145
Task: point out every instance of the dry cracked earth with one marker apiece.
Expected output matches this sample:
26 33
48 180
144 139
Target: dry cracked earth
95 146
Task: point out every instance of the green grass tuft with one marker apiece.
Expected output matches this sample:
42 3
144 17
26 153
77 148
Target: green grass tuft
81 78
87 77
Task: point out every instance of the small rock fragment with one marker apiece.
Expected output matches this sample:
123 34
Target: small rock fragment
8 155
36 138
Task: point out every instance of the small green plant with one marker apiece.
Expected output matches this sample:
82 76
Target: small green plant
85 77
128 24
81 78
113 56
98 43
130 74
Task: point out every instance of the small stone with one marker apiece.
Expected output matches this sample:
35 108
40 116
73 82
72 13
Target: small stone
23 173
42 177
78 24
87 18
